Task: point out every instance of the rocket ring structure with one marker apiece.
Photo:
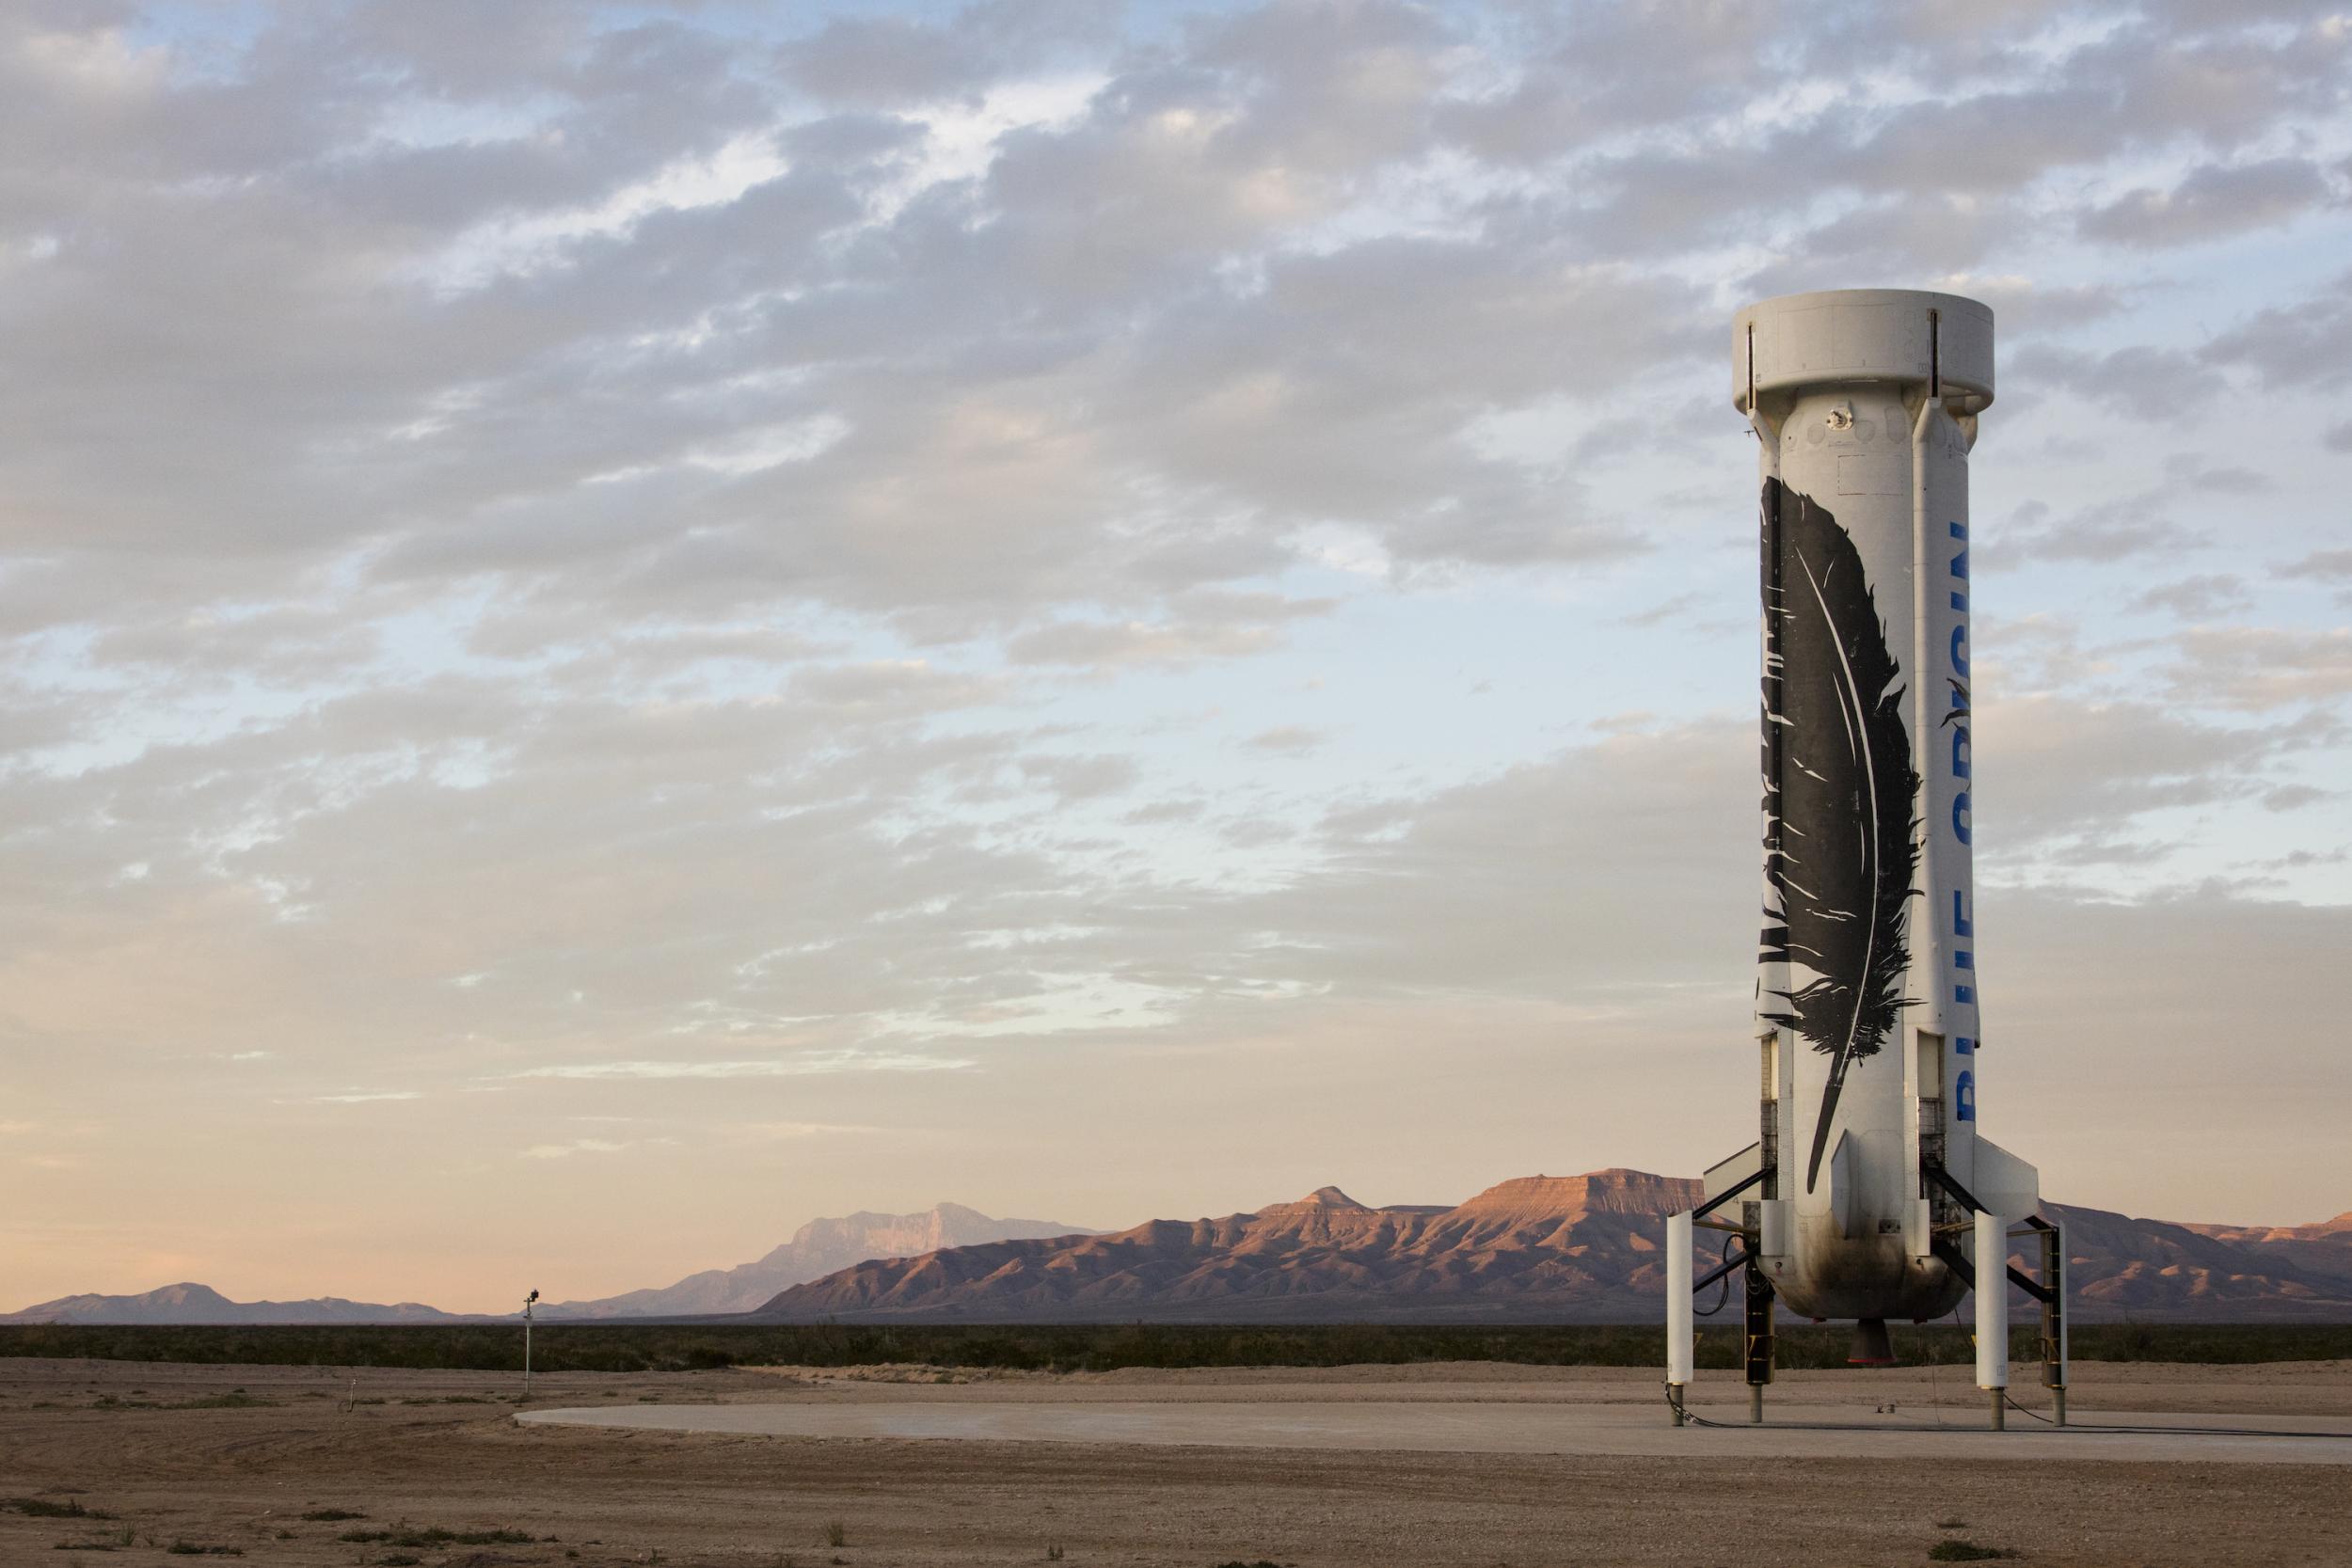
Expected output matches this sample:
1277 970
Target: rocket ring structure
1869 1193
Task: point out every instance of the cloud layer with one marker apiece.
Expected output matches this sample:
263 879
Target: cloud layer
1088 594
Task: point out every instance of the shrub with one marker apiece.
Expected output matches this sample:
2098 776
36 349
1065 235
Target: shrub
45 1507
436 1535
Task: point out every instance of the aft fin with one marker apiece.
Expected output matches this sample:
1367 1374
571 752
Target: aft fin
1726 1174
1744 1169
2005 1185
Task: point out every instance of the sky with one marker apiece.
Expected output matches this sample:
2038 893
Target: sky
622 626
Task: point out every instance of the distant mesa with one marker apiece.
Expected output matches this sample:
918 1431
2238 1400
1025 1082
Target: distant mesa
1324 1197
2324 1249
2337 1231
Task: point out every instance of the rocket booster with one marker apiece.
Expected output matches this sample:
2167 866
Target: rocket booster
1865 403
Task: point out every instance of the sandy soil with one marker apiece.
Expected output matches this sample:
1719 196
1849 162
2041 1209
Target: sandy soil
1565 1428
208 1475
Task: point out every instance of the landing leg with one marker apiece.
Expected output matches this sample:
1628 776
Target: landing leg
2054 1317
1992 1276
1758 1339
1681 1325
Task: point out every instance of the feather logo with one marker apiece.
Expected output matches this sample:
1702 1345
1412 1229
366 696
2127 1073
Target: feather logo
1841 844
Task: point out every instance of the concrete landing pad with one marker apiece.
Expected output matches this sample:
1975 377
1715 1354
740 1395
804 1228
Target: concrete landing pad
1795 1431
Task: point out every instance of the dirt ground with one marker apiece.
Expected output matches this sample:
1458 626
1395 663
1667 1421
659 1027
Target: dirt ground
170 1463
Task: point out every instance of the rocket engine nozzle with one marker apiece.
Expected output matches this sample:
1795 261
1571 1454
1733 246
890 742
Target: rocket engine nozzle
1871 1345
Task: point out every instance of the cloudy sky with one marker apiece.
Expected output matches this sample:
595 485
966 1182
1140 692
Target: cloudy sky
624 624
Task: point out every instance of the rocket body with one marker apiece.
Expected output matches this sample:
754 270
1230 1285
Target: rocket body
1865 403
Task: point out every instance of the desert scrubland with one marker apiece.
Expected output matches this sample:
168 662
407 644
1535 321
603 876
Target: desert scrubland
164 1462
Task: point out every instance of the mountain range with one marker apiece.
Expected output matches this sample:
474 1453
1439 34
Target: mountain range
201 1304
1577 1249
1583 1248
817 1248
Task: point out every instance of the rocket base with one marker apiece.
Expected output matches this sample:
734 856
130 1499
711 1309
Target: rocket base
1983 1268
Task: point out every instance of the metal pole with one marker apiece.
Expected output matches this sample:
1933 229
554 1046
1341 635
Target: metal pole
526 1350
1758 1335
1993 1310
2000 1410
2054 1318
1682 1326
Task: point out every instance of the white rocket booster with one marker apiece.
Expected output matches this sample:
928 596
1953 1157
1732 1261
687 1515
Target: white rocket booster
1868 1169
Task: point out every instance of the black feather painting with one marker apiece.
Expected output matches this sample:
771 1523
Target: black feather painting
1841 844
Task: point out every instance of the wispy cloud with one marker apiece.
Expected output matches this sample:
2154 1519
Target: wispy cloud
784 1129
809 1064
1290 741
588 1145
364 1097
